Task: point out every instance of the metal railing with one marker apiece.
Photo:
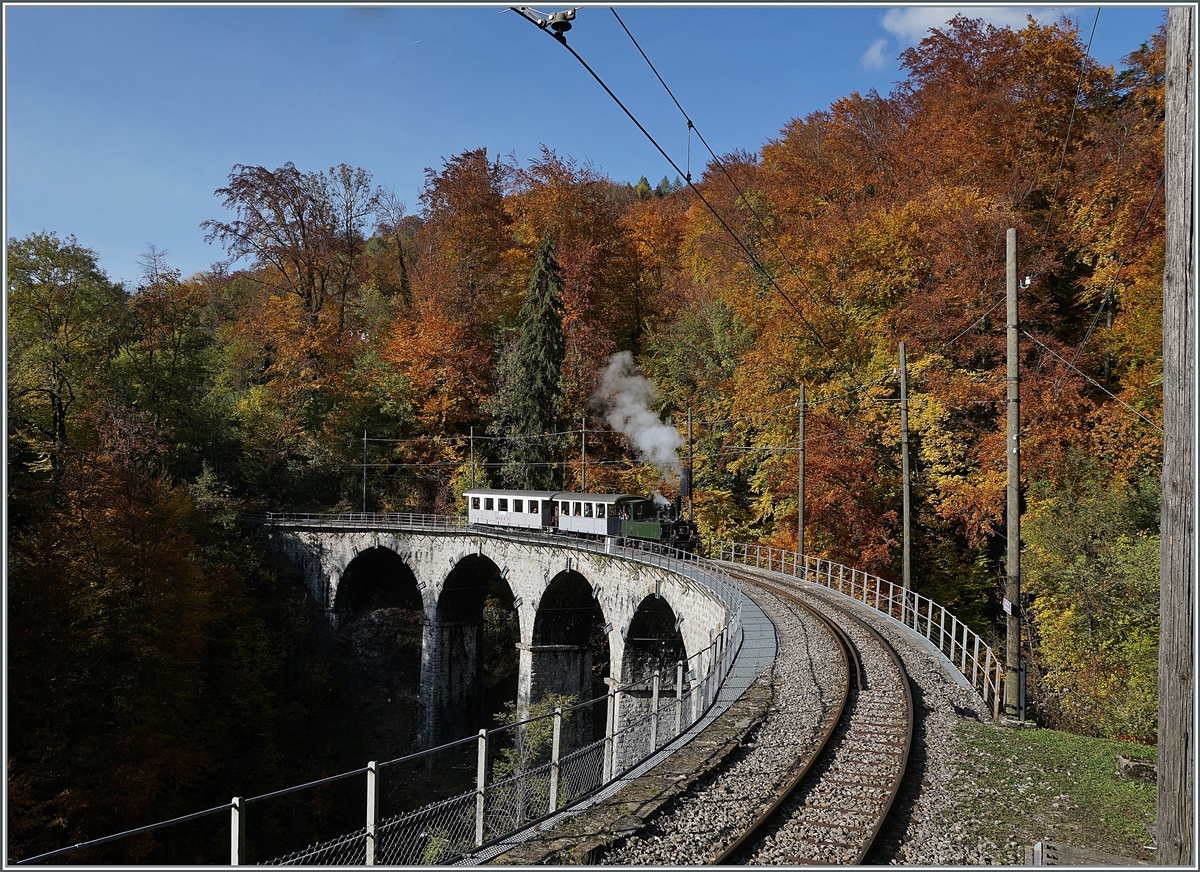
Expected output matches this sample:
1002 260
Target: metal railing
529 770
361 521
525 771
535 778
961 645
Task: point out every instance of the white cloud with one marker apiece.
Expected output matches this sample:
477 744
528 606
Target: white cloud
876 57
910 25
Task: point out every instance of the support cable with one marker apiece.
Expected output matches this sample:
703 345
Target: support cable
1070 123
749 255
721 164
1113 284
1055 354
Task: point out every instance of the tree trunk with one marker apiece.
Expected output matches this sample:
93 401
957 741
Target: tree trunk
1175 683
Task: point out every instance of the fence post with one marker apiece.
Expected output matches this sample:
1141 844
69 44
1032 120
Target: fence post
372 810
678 697
996 698
608 737
975 663
616 744
962 666
480 784
942 630
237 832
654 714
929 623
987 671
710 656
718 659
554 755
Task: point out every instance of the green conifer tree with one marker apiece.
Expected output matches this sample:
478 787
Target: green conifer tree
528 402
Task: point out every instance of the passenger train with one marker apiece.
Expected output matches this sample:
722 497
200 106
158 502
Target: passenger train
616 516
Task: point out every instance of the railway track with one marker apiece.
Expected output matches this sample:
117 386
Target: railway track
835 808
830 757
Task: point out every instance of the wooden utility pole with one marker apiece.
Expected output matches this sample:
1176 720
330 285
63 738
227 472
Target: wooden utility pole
583 455
1012 587
364 470
1176 741
800 502
472 457
904 468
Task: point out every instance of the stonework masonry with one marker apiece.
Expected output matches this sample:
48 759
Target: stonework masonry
447 569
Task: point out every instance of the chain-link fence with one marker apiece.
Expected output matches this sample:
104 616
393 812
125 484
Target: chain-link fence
523 772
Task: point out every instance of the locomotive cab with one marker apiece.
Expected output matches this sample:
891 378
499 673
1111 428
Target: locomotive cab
639 519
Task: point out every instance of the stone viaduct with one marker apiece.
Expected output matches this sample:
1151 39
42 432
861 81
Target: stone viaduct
653 613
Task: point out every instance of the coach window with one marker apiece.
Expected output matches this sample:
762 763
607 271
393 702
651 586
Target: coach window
487 504
503 504
587 510
566 508
599 510
533 507
518 505
578 510
475 502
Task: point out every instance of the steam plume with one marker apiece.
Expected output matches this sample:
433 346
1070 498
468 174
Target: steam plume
626 396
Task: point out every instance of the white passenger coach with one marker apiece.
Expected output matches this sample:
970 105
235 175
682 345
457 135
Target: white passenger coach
591 514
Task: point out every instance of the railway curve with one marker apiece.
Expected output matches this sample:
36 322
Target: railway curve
752 810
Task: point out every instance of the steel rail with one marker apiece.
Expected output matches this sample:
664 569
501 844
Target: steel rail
849 662
853 661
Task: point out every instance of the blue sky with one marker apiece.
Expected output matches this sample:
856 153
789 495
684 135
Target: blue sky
121 121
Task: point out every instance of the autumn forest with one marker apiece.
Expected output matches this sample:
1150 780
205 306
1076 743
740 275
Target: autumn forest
347 350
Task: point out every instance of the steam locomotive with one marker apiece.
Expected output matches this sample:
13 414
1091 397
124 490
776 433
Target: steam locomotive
652 523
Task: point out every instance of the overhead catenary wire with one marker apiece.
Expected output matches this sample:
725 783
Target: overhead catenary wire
860 387
720 164
725 226
1070 123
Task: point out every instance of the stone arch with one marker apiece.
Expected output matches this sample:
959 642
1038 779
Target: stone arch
453 687
652 642
377 644
566 611
377 578
569 651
